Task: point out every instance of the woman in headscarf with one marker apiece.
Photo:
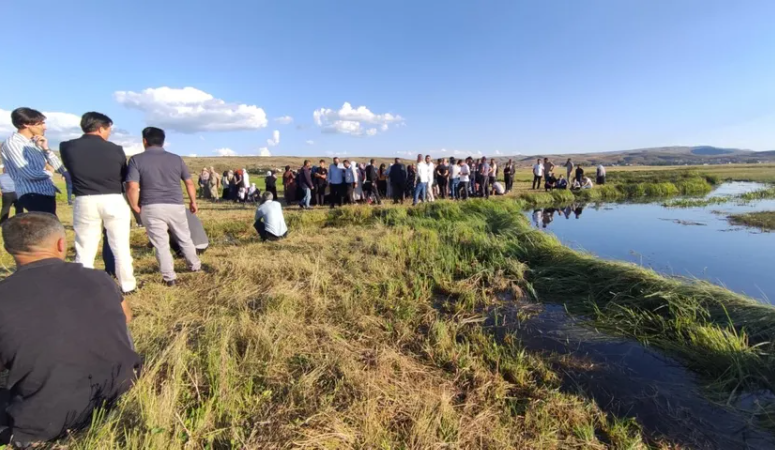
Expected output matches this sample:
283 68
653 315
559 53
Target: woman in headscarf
411 175
214 185
359 170
289 184
204 183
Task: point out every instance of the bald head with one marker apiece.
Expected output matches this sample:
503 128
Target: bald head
34 236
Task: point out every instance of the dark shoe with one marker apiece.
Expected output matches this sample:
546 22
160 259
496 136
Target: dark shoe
171 283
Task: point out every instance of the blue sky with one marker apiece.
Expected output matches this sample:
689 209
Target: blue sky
497 77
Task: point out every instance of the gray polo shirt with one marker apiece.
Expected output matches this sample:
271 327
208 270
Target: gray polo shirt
159 174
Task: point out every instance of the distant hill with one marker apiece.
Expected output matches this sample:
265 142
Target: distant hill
658 156
665 156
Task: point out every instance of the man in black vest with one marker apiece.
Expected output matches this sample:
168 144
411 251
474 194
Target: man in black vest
397 180
370 183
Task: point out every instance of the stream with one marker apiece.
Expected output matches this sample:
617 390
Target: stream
696 242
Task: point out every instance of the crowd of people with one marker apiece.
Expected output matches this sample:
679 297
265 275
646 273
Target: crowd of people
86 359
543 172
347 182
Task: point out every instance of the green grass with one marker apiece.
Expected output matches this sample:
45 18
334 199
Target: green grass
362 330
764 220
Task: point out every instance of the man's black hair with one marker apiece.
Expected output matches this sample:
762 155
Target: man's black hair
154 137
93 121
22 117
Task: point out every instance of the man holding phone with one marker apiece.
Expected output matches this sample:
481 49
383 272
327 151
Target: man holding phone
25 155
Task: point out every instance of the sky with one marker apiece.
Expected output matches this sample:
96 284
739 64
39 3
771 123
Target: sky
397 78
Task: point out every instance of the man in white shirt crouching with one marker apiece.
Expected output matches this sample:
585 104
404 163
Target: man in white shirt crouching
270 222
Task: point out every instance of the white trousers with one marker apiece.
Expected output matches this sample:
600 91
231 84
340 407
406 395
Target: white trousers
90 214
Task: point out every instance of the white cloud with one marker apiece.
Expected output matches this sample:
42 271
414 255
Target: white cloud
498 152
59 126
275 139
62 126
132 144
353 121
190 110
201 138
263 151
193 155
310 142
284 120
225 152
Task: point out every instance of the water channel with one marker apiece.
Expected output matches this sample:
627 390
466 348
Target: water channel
696 242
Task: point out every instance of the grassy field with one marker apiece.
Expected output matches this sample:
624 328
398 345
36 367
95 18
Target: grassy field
363 330
764 220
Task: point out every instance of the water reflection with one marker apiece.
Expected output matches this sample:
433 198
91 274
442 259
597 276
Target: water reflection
671 241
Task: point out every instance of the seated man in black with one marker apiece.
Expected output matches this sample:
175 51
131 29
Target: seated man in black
63 337
551 182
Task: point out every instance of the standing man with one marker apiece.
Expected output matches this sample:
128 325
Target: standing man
484 171
397 178
305 176
336 182
320 178
349 183
465 179
25 155
9 195
508 175
424 174
454 177
153 182
370 183
98 169
538 174
548 169
442 180
493 174
568 169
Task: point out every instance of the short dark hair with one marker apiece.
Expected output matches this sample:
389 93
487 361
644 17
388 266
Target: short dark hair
322 160
93 121
154 136
22 117
287 167
398 160
305 162
24 231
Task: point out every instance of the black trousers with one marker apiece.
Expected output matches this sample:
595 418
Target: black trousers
9 200
39 203
337 197
462 190
509 182
265 235
536 181
601 180
382 188
369 189
398 192
348 193
320 194
484 189
443 186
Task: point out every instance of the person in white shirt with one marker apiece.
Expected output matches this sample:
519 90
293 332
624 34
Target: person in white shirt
454 177
424 175
600 174
431 184
538 174
465 179
245 178
269 220
586 183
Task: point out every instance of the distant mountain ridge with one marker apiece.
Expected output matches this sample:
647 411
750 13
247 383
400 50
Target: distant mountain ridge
662 156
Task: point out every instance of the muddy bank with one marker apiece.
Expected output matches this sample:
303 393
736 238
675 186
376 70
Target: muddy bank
629 380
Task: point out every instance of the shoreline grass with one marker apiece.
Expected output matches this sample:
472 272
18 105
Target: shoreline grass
764 220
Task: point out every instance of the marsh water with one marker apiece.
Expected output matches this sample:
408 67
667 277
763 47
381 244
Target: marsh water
696 242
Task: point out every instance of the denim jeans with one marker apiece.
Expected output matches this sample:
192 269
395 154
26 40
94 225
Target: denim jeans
455 185
420 188
307 197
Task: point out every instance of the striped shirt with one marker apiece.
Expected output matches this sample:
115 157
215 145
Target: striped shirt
26 164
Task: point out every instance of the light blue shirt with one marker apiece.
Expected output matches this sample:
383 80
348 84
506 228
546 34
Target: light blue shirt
272 213
6 184
336 174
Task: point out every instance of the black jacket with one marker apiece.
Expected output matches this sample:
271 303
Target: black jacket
398 173
371 174
96 166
